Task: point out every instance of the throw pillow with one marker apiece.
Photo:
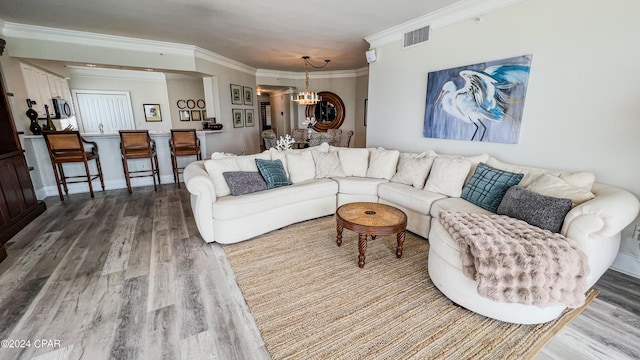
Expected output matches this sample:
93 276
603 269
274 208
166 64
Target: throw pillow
215 169
354 161
545 212
272 172
280 155
248 162
300 166
448 175
244 182
327 164
383 163
414 168
488 186
550 185
530 173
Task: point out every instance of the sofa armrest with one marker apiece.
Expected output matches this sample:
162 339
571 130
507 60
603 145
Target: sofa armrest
198 181
603 216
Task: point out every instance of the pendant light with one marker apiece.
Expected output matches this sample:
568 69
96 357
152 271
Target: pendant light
307 97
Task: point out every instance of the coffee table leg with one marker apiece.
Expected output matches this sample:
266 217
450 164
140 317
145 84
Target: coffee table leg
362 246
339 228
400 244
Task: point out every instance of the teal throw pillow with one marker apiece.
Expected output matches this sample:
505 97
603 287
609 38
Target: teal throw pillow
488 186
273 173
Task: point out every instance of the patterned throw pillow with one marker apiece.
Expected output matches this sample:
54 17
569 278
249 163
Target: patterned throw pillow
273 173
545 212
244 182
488 186
414 168
327 164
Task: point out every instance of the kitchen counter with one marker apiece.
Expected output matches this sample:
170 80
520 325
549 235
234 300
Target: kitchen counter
44 182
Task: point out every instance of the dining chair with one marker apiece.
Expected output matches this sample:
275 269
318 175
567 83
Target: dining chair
137 144
183 142
69 147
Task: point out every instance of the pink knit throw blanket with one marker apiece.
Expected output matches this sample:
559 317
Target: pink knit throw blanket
515 262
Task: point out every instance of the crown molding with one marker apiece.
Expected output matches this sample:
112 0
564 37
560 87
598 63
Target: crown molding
35 32
115 74
452 14
362 71
312 75
222 60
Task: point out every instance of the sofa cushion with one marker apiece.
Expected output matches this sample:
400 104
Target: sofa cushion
414 168
354 161
551 185
530 173
327 164
248 162
545 212
488 186
448 175
215 169
358 185
409 197
301 166
233 207
383 163
244 182
282 156
273 173
456 204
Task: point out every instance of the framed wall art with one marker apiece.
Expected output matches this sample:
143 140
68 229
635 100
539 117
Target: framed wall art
248 118
238 122
185 115
195 115
152 112
479 102
248 95
236 94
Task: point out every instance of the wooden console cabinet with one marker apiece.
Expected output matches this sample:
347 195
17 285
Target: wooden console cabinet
18 202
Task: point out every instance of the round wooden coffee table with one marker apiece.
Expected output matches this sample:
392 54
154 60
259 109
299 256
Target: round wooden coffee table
372 219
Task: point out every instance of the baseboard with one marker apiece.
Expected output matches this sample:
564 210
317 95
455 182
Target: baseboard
78 188
627 264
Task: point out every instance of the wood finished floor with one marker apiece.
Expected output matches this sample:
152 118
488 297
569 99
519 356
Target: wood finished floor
126 276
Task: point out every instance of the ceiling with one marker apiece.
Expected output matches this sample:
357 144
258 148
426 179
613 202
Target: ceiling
265 34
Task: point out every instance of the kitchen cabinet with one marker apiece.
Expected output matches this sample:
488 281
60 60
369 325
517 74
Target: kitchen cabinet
42 87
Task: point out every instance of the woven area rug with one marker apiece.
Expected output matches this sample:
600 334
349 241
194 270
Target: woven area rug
312 301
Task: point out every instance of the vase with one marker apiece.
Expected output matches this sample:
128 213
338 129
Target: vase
34 127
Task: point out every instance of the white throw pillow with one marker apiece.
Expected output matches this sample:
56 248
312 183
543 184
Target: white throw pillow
327 164
414 168
383 163
551 185
215 168
448 175
354 161
248 162
300 166
530 173
581 179
221 155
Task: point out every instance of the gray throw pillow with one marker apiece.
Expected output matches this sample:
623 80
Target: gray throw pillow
545 212
244 182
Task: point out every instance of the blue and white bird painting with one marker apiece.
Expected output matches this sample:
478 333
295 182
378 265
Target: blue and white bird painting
480 102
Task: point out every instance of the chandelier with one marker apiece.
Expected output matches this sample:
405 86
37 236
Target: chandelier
307 97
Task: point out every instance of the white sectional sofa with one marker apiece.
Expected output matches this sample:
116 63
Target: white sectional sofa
421 185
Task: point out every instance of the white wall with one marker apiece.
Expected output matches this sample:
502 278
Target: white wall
184 87
359 138
582 104
143 88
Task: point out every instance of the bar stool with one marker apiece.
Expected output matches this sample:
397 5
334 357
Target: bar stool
68 147
183 143
137 144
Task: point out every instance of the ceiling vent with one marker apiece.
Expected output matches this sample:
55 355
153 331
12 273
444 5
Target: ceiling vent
415 37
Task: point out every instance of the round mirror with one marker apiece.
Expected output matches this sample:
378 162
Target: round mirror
329 112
